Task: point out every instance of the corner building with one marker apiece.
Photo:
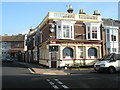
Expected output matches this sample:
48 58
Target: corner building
68 39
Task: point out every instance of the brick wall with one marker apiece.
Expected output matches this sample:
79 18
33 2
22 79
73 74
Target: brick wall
79 31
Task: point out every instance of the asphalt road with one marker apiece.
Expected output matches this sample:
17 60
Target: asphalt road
16 75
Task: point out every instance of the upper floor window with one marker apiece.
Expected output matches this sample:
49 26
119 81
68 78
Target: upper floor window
108 35
114 34
65 30
113 37
111 33
93 31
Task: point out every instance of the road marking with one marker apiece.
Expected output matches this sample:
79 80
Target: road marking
64 86
58 81
53 85
56 87
30 70
48 80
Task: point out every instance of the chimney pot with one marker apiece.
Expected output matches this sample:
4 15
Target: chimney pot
70 10
96 12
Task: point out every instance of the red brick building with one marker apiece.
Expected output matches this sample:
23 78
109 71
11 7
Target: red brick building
13 46
67 38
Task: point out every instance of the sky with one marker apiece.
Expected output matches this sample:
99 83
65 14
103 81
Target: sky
19 17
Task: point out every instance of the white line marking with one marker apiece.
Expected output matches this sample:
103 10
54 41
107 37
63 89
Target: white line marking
56 87
58 81
48 80
64 86
51 83
30 70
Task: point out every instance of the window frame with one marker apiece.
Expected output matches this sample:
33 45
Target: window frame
60 29
81 51
92 55
91 33
68 52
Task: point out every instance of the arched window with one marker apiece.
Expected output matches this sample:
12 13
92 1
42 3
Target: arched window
67 53
92 52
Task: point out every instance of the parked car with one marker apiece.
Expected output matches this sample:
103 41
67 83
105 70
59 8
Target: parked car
110 63
3 59
9 59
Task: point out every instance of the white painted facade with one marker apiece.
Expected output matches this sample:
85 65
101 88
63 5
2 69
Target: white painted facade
5 47
112 43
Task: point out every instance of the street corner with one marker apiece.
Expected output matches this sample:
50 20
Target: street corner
50 71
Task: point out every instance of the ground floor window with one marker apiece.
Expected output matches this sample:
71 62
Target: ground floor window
92 52
67 53
108 50
114 49
80 52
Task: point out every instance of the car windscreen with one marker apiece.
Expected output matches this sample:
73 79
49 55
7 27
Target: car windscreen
117 56
108 57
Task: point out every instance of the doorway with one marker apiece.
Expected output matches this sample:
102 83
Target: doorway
53 59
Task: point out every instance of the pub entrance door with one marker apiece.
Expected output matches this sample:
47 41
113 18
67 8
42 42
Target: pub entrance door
53 59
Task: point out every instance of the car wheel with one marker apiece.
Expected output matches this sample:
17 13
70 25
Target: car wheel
112 70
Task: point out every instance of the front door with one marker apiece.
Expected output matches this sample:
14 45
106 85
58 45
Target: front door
53 59
53 64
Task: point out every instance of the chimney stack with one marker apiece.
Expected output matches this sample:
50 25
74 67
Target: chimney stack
96 12
81 11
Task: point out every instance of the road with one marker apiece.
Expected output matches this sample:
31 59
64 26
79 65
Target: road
16 75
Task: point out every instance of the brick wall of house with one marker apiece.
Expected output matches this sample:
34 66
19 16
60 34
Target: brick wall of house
46 31
79 31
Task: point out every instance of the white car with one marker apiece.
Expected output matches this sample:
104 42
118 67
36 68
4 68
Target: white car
110 63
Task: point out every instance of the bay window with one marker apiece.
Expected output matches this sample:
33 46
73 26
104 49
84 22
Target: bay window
92 31
65 29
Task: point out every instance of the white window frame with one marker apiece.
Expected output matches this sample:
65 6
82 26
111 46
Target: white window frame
91 25
59 29
112 44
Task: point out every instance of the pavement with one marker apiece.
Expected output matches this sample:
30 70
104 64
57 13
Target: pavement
38 69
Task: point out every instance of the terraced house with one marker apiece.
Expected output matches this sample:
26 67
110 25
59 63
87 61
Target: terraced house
12 46
66 39
112 35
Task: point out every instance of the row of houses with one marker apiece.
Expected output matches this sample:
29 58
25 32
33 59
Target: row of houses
68 38
12 46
